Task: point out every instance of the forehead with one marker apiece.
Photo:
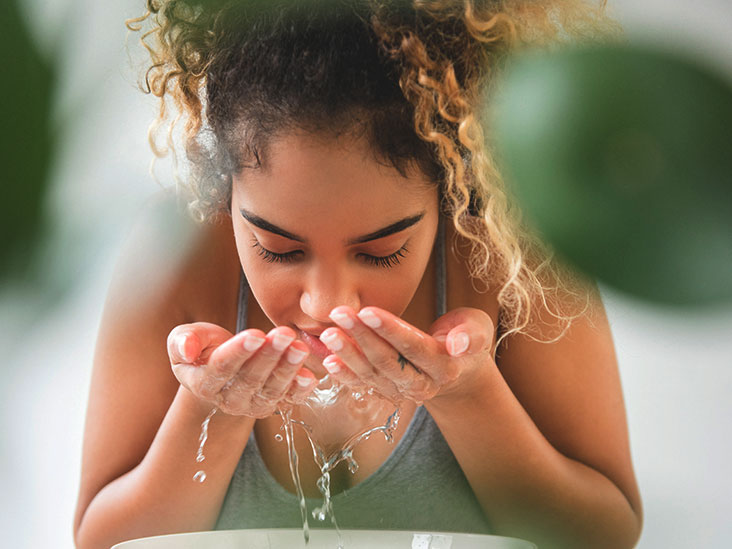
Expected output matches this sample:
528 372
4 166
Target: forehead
306 177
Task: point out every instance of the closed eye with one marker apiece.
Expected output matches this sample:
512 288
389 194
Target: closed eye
386 261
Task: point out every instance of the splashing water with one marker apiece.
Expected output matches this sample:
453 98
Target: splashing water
329 402
326 407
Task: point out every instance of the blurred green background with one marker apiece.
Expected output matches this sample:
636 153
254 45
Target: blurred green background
620 157
26 141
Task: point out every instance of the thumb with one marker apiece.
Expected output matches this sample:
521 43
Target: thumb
464 331
190 343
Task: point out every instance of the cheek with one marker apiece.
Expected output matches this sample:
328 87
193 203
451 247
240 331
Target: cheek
273 287
392 291
274 290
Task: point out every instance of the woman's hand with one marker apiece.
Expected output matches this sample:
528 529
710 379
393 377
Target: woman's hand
247 374
378 349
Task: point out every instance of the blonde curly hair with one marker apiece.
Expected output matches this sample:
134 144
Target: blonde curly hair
430 69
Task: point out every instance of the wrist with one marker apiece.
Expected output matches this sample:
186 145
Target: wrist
471 389
199 409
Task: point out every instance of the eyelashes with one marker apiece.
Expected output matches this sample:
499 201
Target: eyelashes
273 257
387 261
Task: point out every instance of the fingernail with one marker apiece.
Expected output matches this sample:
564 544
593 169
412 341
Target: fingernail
369 318
460 343
332 340
182 346
295 356
343 320
441 338
303 381
281 341
252 342
331 365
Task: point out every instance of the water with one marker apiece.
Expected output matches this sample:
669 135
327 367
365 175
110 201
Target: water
288 426
330 399
200 476
327 407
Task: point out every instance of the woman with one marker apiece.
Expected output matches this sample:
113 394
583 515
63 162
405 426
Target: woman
335 147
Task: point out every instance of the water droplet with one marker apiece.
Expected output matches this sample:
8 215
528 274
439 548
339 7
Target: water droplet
200 458
200 476
278 437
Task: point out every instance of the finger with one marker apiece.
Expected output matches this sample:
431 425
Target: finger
277 384
253 373
241 394
183 344
340 373
350 354
384 359
303 384
226 360
476 325
191 343
209 378
188 345
419 349
468 338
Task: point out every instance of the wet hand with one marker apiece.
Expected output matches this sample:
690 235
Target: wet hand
247 374
375 348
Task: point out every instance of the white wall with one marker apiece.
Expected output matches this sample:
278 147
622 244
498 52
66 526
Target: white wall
675 365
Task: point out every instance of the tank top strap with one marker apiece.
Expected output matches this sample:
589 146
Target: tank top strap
440 285
241 311
440 269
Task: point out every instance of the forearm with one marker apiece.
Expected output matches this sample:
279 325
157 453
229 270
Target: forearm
159 496
525 486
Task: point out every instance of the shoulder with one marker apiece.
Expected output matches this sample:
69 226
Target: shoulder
171 271
167 273
570 387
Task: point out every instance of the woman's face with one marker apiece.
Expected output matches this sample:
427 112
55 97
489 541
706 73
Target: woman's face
323 223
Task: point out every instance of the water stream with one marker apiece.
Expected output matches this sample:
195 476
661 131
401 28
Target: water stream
200 476
329 402
360 413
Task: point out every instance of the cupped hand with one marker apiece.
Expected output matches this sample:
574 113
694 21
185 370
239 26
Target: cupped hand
247 374
377 349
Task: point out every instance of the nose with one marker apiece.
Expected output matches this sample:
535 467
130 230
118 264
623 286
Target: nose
326 290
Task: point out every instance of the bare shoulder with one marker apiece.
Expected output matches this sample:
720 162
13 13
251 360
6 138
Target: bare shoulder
175 266
571 387
171 271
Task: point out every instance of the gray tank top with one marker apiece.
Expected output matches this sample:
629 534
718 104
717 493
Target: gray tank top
420 486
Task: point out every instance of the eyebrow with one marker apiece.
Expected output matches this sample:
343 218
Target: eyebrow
396 227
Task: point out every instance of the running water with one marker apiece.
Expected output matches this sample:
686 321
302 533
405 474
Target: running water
200 476
329 398
327 406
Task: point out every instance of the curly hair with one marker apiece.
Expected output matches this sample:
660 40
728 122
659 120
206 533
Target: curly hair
413 77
